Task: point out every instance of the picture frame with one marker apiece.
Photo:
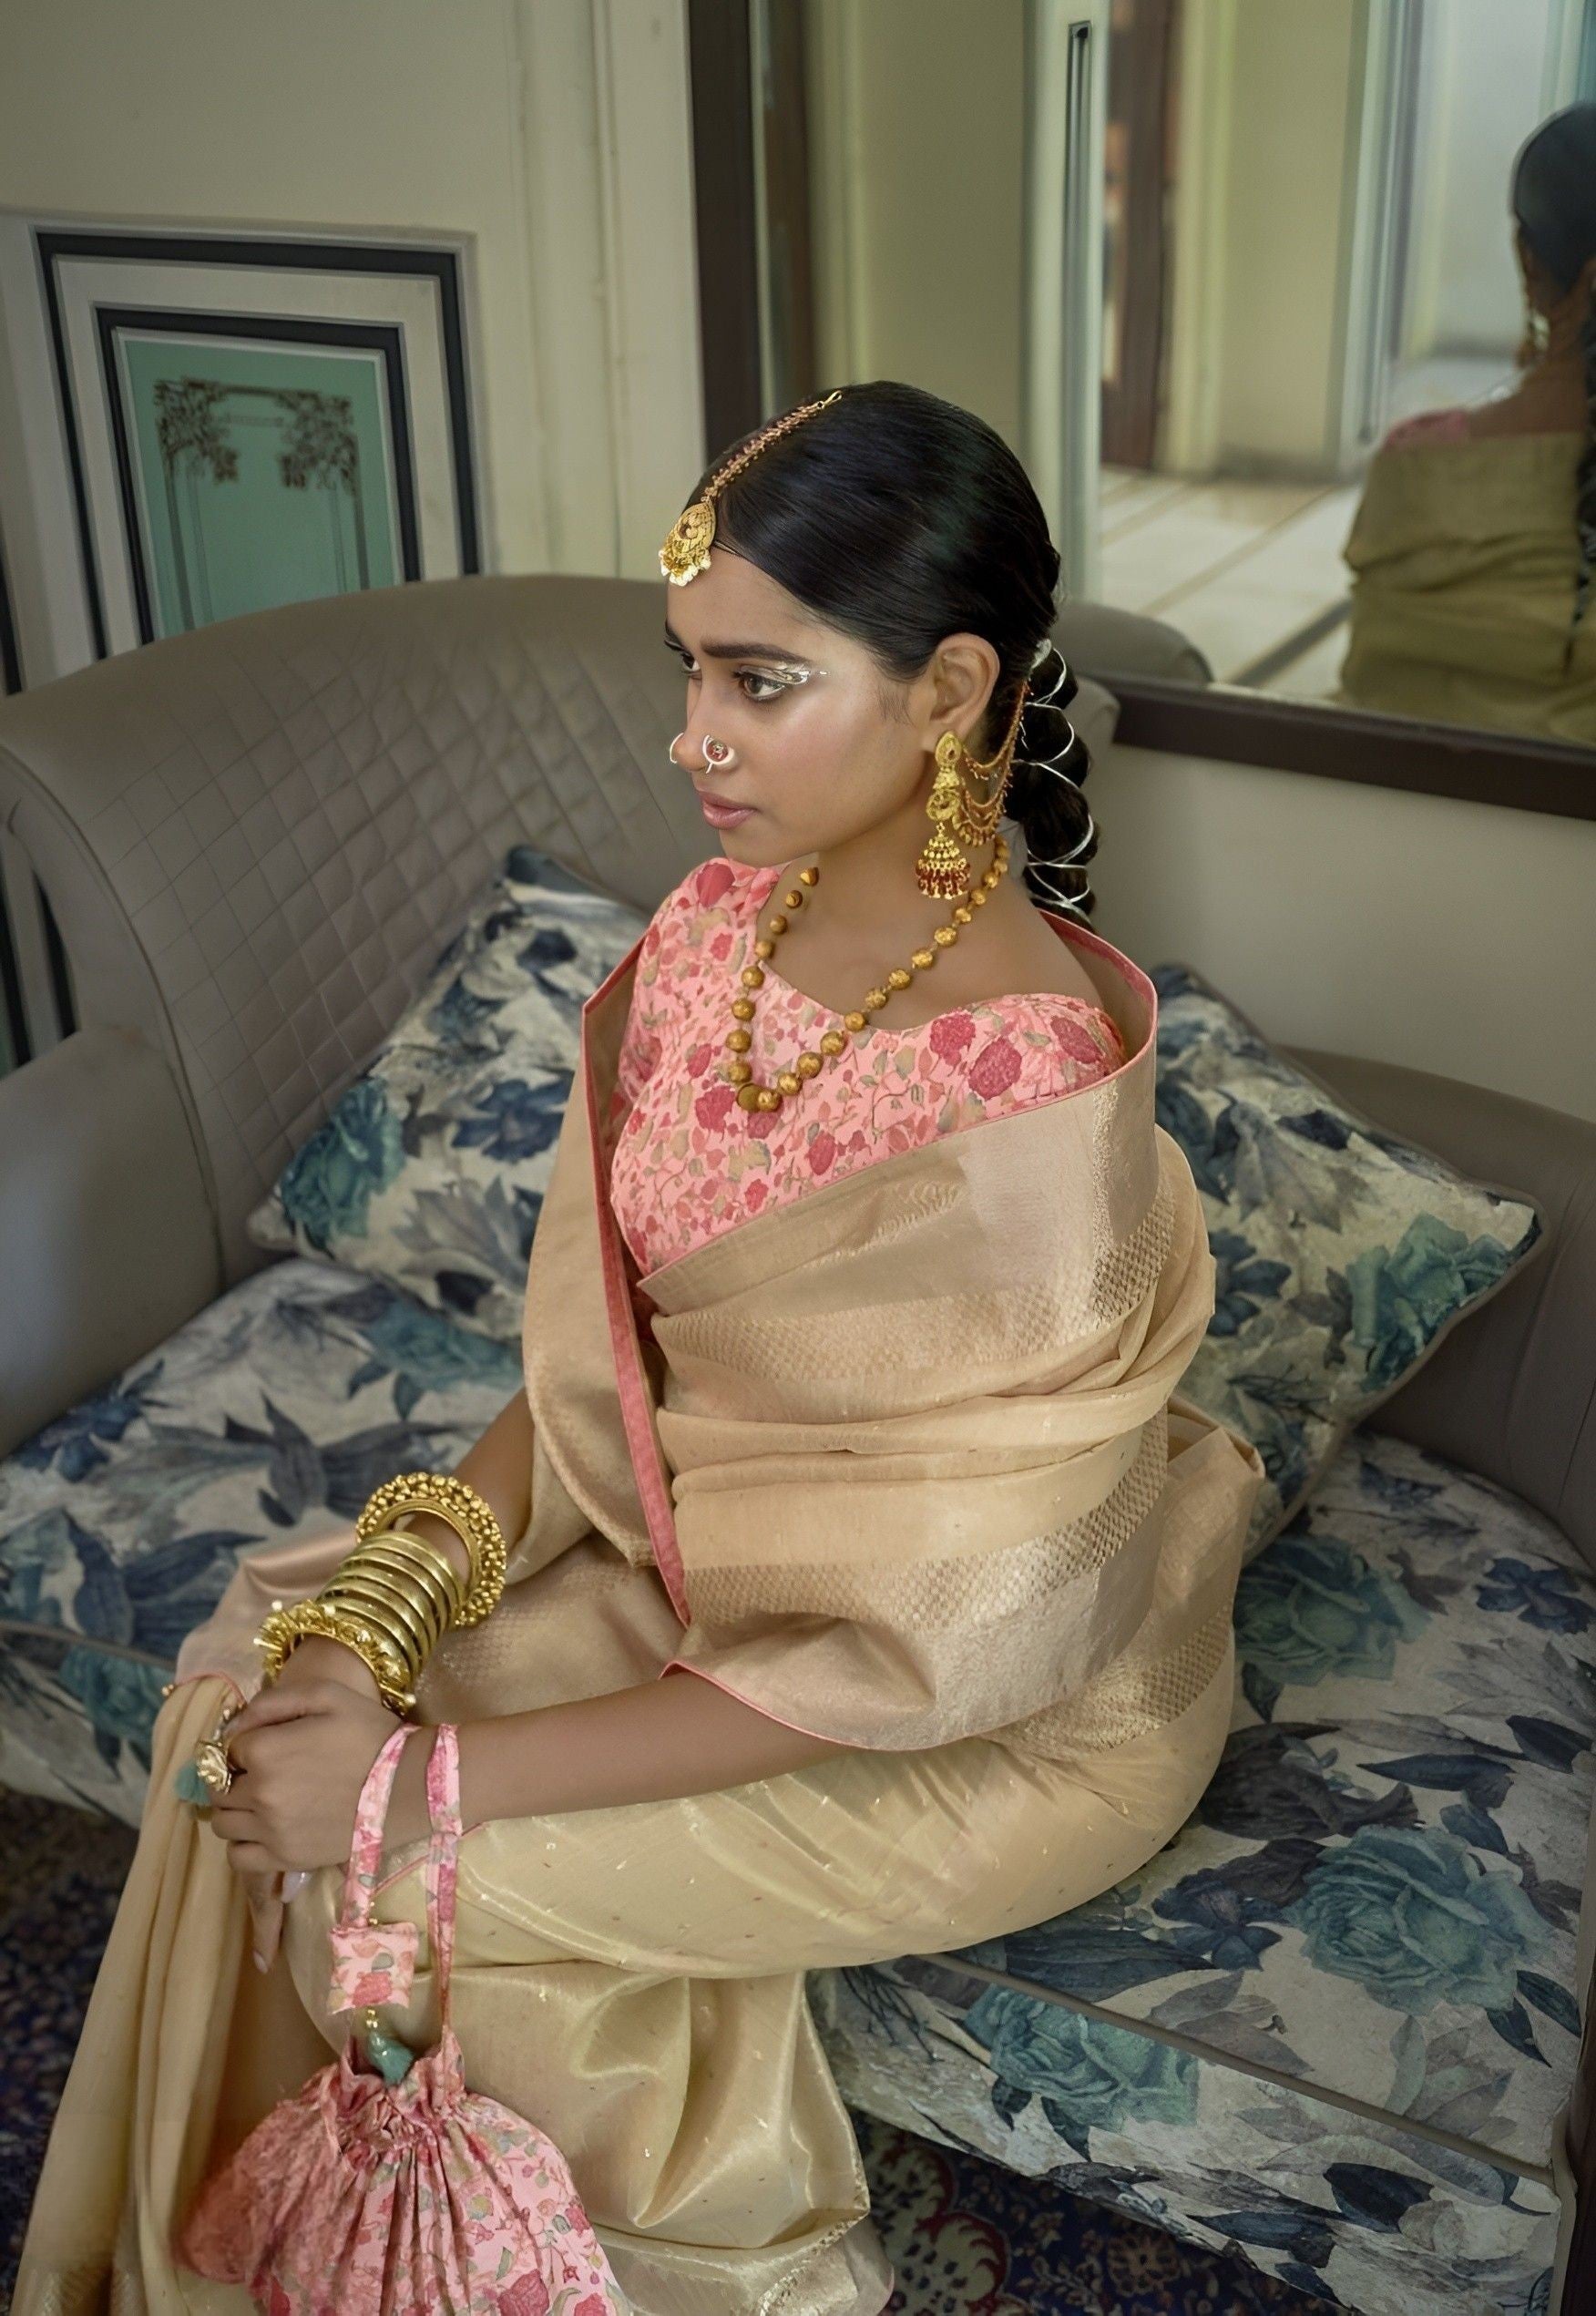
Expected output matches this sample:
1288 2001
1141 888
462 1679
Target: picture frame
214 423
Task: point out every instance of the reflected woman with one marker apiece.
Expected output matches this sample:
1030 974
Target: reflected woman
1473 548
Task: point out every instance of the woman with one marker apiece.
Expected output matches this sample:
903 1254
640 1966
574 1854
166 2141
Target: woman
1474 543
851 1350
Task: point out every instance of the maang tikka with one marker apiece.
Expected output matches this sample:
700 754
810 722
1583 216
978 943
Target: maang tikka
686 551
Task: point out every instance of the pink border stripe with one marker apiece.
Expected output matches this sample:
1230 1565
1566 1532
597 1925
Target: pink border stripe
636 1407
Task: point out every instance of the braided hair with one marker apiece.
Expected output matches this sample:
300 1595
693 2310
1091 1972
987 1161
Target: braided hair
1554 207
900 519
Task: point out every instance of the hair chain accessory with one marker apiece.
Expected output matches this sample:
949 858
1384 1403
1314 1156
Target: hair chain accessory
686 551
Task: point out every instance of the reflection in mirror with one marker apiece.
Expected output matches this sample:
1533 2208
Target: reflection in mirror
1344 410
1347 410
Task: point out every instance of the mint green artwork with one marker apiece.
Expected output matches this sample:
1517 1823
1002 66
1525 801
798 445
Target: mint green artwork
262 474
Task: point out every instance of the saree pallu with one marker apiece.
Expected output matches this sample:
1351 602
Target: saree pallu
901 1463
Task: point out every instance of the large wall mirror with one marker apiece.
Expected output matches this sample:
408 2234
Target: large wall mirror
1243 282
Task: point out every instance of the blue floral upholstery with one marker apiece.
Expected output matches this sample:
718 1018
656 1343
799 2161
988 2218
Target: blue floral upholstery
1344 1254
1335 2020
430 1172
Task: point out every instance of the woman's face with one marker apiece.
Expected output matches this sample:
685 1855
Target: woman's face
826 746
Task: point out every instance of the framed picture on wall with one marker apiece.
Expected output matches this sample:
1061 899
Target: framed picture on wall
217 424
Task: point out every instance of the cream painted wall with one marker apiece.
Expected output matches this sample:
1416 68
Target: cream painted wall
915 113
1455 938
553 135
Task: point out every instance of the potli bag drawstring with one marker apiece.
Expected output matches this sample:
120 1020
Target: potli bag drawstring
382 2190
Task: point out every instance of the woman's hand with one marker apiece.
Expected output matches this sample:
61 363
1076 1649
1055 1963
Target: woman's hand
309 1657
300 1755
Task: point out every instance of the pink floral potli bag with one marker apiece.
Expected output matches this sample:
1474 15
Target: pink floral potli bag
395 2191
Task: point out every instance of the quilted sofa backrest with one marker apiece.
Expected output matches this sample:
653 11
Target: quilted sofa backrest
256 838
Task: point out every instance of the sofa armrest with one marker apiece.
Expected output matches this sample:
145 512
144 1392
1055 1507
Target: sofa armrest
107 1239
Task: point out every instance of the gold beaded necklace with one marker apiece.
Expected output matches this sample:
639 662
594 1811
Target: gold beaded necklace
751 1094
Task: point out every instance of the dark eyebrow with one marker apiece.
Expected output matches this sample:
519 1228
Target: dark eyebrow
732 651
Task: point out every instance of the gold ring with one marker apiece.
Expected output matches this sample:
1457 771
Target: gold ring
213 1768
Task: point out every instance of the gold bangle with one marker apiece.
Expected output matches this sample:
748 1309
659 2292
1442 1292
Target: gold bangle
397 1570
450 1518
458 1503
385 1622
396 1548
366 1586
313 1617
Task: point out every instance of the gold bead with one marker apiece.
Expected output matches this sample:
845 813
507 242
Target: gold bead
762 947
922 958
794 899
899 978
753 977
743 1009
807 1064
944 936
874 1000
769 1099
809 875
832 1043
738 1073
748 1097
854 1021
739 1041
977 898
778 925
961 915
789 1082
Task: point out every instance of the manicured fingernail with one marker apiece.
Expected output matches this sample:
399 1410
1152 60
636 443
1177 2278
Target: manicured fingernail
260 1961
292 1883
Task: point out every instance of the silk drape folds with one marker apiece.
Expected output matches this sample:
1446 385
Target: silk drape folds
900 1462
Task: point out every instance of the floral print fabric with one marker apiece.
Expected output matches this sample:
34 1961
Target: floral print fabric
1343 1255
688 1162
430 1170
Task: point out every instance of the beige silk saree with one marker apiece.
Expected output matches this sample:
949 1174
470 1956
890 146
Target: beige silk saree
900 1462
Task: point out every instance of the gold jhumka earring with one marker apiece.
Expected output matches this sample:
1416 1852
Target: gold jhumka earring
941 870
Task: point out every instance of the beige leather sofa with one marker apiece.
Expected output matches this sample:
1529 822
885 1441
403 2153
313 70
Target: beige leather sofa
257 838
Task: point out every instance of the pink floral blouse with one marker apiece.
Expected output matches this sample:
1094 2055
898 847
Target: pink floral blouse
687 1163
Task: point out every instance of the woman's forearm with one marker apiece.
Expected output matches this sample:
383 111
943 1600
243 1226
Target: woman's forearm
678 1735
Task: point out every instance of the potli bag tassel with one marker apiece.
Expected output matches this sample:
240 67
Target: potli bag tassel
390 2188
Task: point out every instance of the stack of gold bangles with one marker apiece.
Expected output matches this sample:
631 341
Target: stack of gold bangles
396 1595
392 1602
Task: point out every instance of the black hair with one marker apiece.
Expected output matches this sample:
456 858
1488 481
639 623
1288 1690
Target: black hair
901 520
1554 206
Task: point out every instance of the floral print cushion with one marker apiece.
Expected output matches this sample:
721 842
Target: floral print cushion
430 1172
273 1412
1344 1254
1335 2020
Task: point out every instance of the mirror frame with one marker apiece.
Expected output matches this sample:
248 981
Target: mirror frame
1470 763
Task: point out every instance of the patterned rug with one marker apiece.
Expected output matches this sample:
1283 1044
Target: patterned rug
966 2237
